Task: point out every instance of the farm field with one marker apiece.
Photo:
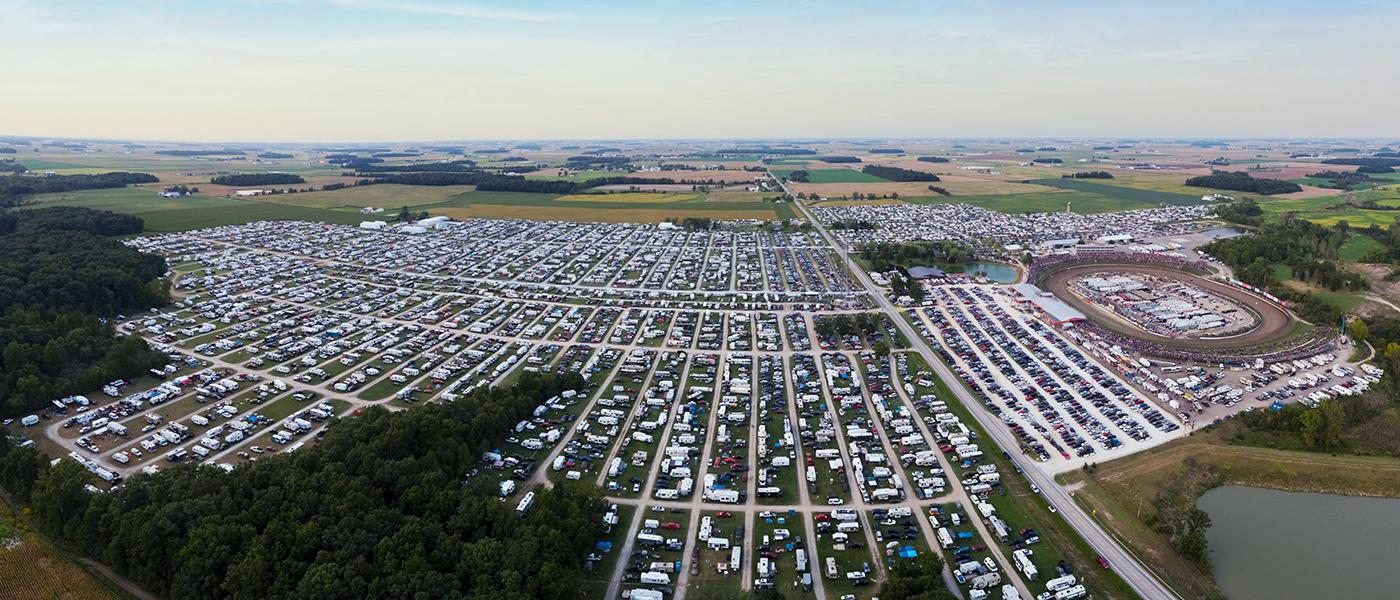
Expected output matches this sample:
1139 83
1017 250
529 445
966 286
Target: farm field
1146 197
837 175
609 208
183 219
135 200
389 196
34 569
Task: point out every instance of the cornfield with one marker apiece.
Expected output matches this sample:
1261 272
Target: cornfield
31 569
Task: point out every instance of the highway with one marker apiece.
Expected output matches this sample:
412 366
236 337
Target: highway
1142 580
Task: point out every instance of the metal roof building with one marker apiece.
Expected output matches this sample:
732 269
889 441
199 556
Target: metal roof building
1055 309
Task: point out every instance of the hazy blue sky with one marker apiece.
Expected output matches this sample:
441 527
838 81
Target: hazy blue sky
340 70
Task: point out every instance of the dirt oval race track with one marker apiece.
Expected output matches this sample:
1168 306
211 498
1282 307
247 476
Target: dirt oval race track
1274 320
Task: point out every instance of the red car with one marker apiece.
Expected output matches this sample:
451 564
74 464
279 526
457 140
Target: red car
724 514
1103 563
670 525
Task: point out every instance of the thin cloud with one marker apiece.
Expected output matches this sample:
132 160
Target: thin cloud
469 11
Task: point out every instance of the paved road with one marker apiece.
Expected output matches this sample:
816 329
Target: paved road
1133 572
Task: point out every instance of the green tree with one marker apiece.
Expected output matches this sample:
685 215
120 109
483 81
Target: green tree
404 215
1358 330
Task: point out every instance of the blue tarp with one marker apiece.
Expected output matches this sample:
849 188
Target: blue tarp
908 552
604 545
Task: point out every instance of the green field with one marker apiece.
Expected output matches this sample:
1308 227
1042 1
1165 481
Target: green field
132 200
1328 210
839 175
1358 246
1146 197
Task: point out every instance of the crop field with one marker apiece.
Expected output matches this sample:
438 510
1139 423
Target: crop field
837 175
31 568
389 196
132 200
241 212
1146 197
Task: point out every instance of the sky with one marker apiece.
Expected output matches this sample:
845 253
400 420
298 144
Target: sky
420 70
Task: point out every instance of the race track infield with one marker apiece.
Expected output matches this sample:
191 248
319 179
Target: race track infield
1274 320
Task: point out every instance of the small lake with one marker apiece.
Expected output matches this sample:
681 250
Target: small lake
1272 545
994 271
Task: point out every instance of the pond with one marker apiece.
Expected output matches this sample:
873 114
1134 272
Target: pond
1267 544
994 271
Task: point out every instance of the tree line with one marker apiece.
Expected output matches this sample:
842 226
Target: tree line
839 159
13 187
238 179
378 508
932 159
1089 175
1240 181
453 166
898 174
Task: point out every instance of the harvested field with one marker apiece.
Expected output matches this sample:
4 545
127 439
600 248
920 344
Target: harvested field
1309 191
1274 321
727 175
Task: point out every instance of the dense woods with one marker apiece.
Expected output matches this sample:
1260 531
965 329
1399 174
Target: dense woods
839 159
800 176
1308 250
1089 175
59 281
1240 181
257 179
273 155
898 174
1376 161
13 187
376 509
73 218
1048 161
932 159
886 151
